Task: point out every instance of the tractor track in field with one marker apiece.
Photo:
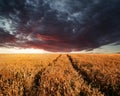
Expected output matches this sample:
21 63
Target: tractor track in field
55 60
38 77
79 71
86 77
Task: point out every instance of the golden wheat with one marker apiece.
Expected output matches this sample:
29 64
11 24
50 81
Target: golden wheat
59 75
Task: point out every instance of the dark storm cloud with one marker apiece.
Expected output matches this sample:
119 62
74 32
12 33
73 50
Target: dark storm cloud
59 25
6 38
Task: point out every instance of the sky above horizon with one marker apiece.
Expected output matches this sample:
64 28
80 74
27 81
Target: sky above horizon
41 26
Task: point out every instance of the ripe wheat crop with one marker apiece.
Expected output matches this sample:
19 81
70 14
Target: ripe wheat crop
59 75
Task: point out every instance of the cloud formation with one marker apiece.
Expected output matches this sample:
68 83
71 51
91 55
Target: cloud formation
59 25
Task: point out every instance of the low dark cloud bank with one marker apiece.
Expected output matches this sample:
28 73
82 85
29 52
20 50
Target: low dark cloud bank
59 25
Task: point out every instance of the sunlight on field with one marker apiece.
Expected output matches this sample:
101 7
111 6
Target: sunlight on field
59 75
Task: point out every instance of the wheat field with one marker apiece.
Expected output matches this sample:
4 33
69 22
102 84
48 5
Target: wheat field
59 75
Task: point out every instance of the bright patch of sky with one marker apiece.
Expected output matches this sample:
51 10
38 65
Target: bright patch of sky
18 50
7 25
104 49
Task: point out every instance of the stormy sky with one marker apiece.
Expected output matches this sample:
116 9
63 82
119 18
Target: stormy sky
60 25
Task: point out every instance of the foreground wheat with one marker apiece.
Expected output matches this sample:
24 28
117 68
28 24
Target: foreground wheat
59 75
